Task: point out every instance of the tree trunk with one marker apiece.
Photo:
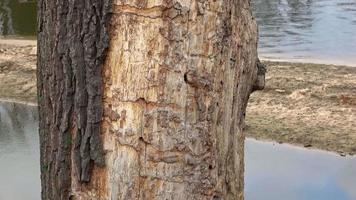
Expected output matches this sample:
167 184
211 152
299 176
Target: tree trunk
144 99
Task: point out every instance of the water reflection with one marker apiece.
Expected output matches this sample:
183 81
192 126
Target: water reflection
273 171
281 172
321 30
19 152
18 17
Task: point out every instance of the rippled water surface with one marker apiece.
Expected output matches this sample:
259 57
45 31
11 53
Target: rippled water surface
19 153
311 30
299 30
284 172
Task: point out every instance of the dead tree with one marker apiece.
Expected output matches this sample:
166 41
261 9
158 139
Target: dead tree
144 99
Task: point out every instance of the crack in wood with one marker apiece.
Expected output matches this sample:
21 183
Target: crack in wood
154 12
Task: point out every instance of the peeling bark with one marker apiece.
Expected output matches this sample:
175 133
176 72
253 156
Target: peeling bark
166 103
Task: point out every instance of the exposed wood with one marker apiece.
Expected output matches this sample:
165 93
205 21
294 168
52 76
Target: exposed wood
175 84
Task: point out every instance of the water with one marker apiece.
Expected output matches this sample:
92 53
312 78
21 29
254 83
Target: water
321 31
273 171
17 18
284 172
19 153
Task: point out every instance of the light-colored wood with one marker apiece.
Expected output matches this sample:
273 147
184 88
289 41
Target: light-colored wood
174 84
177 79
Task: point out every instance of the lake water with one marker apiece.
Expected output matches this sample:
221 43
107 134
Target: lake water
321 31
18 18
273 171
19 153
285 172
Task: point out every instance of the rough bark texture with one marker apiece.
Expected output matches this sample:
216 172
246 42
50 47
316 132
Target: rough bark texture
178 76
176 81
72 40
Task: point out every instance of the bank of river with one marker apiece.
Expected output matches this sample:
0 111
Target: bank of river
18 70
311 105
272 171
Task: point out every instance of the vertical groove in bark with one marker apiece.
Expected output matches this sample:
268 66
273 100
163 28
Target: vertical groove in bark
72 40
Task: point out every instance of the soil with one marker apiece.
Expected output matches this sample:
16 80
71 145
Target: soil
310 105
18 70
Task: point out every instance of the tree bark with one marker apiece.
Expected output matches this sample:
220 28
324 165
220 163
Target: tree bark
144 99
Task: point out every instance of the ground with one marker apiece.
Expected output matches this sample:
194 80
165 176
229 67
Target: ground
18 70
306 104
310 105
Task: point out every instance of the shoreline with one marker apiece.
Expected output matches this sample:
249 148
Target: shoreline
271 141
309 105
32 41
18 102
18 70
303 104
17 42
300 148
316 61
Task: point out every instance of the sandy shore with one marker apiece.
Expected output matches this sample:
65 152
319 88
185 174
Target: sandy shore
310 105
18 70
17 42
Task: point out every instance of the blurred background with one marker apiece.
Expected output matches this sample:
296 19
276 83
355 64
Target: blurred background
311 106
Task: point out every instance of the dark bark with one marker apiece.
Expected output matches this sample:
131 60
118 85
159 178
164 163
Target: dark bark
72 41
